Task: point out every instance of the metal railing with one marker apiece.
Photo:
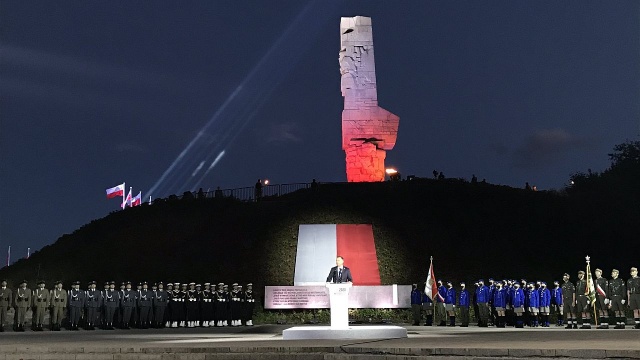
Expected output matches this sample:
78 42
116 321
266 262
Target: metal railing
248 193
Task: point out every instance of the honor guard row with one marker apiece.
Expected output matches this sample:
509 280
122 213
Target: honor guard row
522 303
179 305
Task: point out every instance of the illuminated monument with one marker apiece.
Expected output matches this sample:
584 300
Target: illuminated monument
368 130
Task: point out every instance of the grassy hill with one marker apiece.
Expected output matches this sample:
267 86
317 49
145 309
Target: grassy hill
471 230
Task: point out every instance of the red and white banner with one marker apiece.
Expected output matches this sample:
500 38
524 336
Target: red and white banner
319 245
137 200
431 286
115 191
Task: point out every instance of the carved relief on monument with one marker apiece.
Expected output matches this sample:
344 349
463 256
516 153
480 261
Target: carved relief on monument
368 130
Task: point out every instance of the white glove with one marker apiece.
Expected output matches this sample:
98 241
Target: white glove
623 301
588 301
606 301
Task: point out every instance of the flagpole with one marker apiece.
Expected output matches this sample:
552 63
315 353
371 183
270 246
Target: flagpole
9 256
124 196
588 290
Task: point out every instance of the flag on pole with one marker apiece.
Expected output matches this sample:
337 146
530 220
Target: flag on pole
590 290
9 256
137 200
127 200
431 286
115 191
28 252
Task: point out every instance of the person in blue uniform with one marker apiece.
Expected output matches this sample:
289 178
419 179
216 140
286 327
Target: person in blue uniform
534 303
450 303
427 306
492 308
518 304
482 297
416 304
544 304
464 301
499 303
556 302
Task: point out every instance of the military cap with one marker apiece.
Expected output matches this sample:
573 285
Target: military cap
106 283
191 283
23 282
144 283
634 269
77 282
566 274
159 283
580 272
92 282
240 286
516 284
234 284
184 284
225 286
207 284
112 282
598 270
481 281
530 284
198 285
543 283
176 283
123 283
127 283
249 284
220 284
615 270
57 282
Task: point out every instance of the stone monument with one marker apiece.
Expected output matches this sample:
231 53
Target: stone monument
368 130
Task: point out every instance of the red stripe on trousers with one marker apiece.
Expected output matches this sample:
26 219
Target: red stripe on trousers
356 245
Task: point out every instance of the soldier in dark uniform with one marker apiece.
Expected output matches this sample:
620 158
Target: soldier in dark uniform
160 302
112 302
76 304
128 302
175 305
41 303
617 292
236 305
427 306
184 292
193 306
227 295
102 306
633 290
123 286
145 302
602 300
416 304
249 302
582 301
6 301
206 305
93 303
59 302
135 313
22 302
221 306
569 302
167 311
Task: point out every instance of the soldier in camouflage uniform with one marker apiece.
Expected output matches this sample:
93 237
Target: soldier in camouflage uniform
633 290
6 301
22 302
617 297
41 303
569 302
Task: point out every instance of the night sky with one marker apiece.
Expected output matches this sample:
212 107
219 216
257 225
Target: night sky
94 93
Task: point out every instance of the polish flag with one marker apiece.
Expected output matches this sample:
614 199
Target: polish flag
115 191
431 286
320 244
127 201
137 200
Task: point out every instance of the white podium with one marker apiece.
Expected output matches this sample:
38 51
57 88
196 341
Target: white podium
339 303
340 329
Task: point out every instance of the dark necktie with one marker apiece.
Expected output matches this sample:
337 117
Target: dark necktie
339 275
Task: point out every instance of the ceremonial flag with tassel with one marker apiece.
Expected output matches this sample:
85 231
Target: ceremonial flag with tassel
590 289
431 286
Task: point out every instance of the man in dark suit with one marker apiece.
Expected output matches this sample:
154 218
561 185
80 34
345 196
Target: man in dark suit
339 273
